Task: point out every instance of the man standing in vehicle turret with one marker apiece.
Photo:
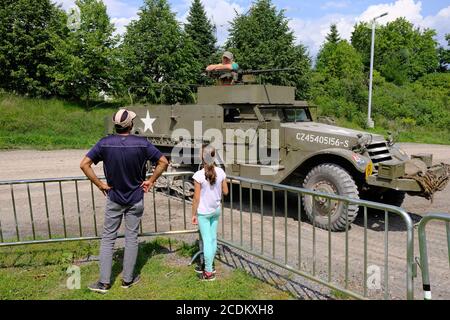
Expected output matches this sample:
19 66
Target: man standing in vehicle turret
227 64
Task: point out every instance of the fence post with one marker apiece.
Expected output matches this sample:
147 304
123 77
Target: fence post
423 249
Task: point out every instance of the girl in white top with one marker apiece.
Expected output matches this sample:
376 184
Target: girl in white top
210 183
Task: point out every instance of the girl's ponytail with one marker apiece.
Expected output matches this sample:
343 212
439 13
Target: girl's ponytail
209 154
210 173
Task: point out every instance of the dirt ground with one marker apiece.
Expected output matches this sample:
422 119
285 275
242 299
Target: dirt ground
26 164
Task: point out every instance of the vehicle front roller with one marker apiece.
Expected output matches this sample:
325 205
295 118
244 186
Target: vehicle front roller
333 179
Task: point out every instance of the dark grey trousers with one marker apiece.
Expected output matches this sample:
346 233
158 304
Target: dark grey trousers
113 218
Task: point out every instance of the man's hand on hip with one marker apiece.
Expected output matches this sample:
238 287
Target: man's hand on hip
147 185
104 188
85 166
161 166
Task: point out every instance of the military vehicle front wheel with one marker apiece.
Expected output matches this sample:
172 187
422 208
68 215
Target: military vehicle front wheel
327 213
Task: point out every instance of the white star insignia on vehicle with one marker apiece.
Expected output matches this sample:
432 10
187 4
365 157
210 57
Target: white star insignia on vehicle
148 122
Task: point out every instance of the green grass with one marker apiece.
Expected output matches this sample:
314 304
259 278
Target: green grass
47 124
39 272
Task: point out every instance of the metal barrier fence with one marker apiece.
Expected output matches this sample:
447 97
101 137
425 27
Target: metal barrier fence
330 253
54 225
423 248
255 232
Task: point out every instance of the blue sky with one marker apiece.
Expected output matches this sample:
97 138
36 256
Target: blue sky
309 19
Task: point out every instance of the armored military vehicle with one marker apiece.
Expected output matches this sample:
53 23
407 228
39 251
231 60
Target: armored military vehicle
265 134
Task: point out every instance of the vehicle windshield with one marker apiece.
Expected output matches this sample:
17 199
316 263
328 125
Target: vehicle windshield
287 114
296 115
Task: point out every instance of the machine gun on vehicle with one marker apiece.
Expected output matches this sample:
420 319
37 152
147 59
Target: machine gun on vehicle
242 76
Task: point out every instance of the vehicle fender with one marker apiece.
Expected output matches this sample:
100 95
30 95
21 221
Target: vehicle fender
359 161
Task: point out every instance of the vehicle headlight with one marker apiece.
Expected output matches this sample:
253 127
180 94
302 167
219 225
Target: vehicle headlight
364 140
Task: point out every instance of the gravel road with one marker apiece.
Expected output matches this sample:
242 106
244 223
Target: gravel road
26 164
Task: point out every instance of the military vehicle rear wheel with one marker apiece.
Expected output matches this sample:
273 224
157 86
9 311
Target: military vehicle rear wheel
327 213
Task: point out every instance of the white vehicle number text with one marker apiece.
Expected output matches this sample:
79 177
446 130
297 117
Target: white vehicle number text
332 141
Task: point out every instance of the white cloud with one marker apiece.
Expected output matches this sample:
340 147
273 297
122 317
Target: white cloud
410 9
312 32
222 12
121 24
440 22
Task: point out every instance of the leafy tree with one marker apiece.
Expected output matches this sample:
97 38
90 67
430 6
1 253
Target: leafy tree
339 60
396 67
333 36
444 55
398 45
27 31
262 39
88 63
425 101
200 29
159 59
339 83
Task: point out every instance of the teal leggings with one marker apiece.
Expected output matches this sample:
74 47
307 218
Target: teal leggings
208 229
